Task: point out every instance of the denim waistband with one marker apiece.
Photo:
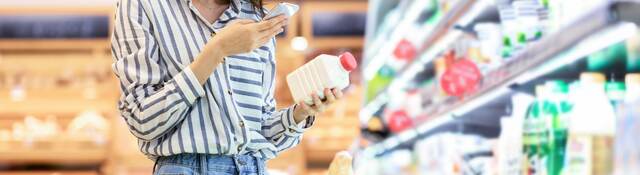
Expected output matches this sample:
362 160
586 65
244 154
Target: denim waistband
209 162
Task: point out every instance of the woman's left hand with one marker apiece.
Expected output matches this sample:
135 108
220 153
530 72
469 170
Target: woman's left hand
303 110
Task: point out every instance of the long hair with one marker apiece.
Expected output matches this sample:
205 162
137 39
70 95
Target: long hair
258 7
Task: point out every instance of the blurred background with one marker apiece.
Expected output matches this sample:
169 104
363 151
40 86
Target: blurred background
58 95
443 87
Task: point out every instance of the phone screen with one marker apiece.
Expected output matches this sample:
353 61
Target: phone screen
282 8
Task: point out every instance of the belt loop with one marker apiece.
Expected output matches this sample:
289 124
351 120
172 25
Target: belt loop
203 163
237 165
260 164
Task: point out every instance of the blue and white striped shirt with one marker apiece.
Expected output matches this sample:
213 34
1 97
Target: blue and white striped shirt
234 112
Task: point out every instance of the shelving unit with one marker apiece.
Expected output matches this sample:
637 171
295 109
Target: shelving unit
595 30
437 35
53 153
57 77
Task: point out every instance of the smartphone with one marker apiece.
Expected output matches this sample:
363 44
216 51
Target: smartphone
283 8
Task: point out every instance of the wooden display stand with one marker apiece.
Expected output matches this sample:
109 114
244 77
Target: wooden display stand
39 63
336 128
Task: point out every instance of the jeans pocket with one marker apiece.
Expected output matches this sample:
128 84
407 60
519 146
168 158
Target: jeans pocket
172 169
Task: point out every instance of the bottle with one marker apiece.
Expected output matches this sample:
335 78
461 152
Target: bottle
626 146
509 151
591 129
555 110
534 136
324 71
379 82
616 93
509 29
633 53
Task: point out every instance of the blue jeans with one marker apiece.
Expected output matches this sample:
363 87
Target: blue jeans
203 164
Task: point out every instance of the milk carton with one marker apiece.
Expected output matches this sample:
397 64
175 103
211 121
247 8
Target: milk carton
324 71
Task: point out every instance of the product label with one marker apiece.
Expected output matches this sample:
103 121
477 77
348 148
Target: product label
535 131
579 149
461 78
404 50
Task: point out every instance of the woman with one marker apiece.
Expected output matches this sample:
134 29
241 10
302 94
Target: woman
197 82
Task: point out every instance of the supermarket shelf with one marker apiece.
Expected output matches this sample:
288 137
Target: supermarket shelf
64 172
66 44
64 101
53 106
441 38
68 153
537 59
444 25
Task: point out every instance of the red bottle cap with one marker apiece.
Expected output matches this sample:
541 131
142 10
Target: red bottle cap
348 61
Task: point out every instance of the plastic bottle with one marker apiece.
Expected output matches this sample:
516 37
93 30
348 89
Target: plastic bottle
591 129
527 15
534 136
509 152
627 150
616 93
633 53
324 71
509 29
555 110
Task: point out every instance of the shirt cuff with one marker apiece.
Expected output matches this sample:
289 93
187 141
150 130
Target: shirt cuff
294 128
188 86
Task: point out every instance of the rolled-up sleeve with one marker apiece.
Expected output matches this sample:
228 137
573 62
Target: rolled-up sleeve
150 103
279 126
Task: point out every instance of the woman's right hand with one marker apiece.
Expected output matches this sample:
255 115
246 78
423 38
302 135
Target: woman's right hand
241 36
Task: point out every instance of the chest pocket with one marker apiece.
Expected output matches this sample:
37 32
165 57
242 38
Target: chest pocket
245 74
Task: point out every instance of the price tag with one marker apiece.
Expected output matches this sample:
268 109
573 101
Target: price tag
460 78
399 120
404 50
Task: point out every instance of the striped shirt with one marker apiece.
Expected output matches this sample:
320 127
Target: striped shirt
166 108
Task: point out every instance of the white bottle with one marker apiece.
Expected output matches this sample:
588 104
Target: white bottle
591 128
324 71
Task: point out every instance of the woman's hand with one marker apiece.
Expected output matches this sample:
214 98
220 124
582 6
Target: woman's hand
241 36
302 111
237 37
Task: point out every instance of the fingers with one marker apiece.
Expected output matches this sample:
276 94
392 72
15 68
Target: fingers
270 23
337 93
242 21
273 31
266 38
307 108
329 94
317 103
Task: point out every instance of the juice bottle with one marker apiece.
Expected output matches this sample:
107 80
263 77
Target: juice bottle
535 136
627 148
555 110
591 128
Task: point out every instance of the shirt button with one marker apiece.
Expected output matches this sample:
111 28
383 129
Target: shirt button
241 123
239 149
213 34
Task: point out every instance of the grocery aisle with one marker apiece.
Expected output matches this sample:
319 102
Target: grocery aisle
500 87
445 87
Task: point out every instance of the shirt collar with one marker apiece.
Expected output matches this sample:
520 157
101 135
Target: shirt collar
236 3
